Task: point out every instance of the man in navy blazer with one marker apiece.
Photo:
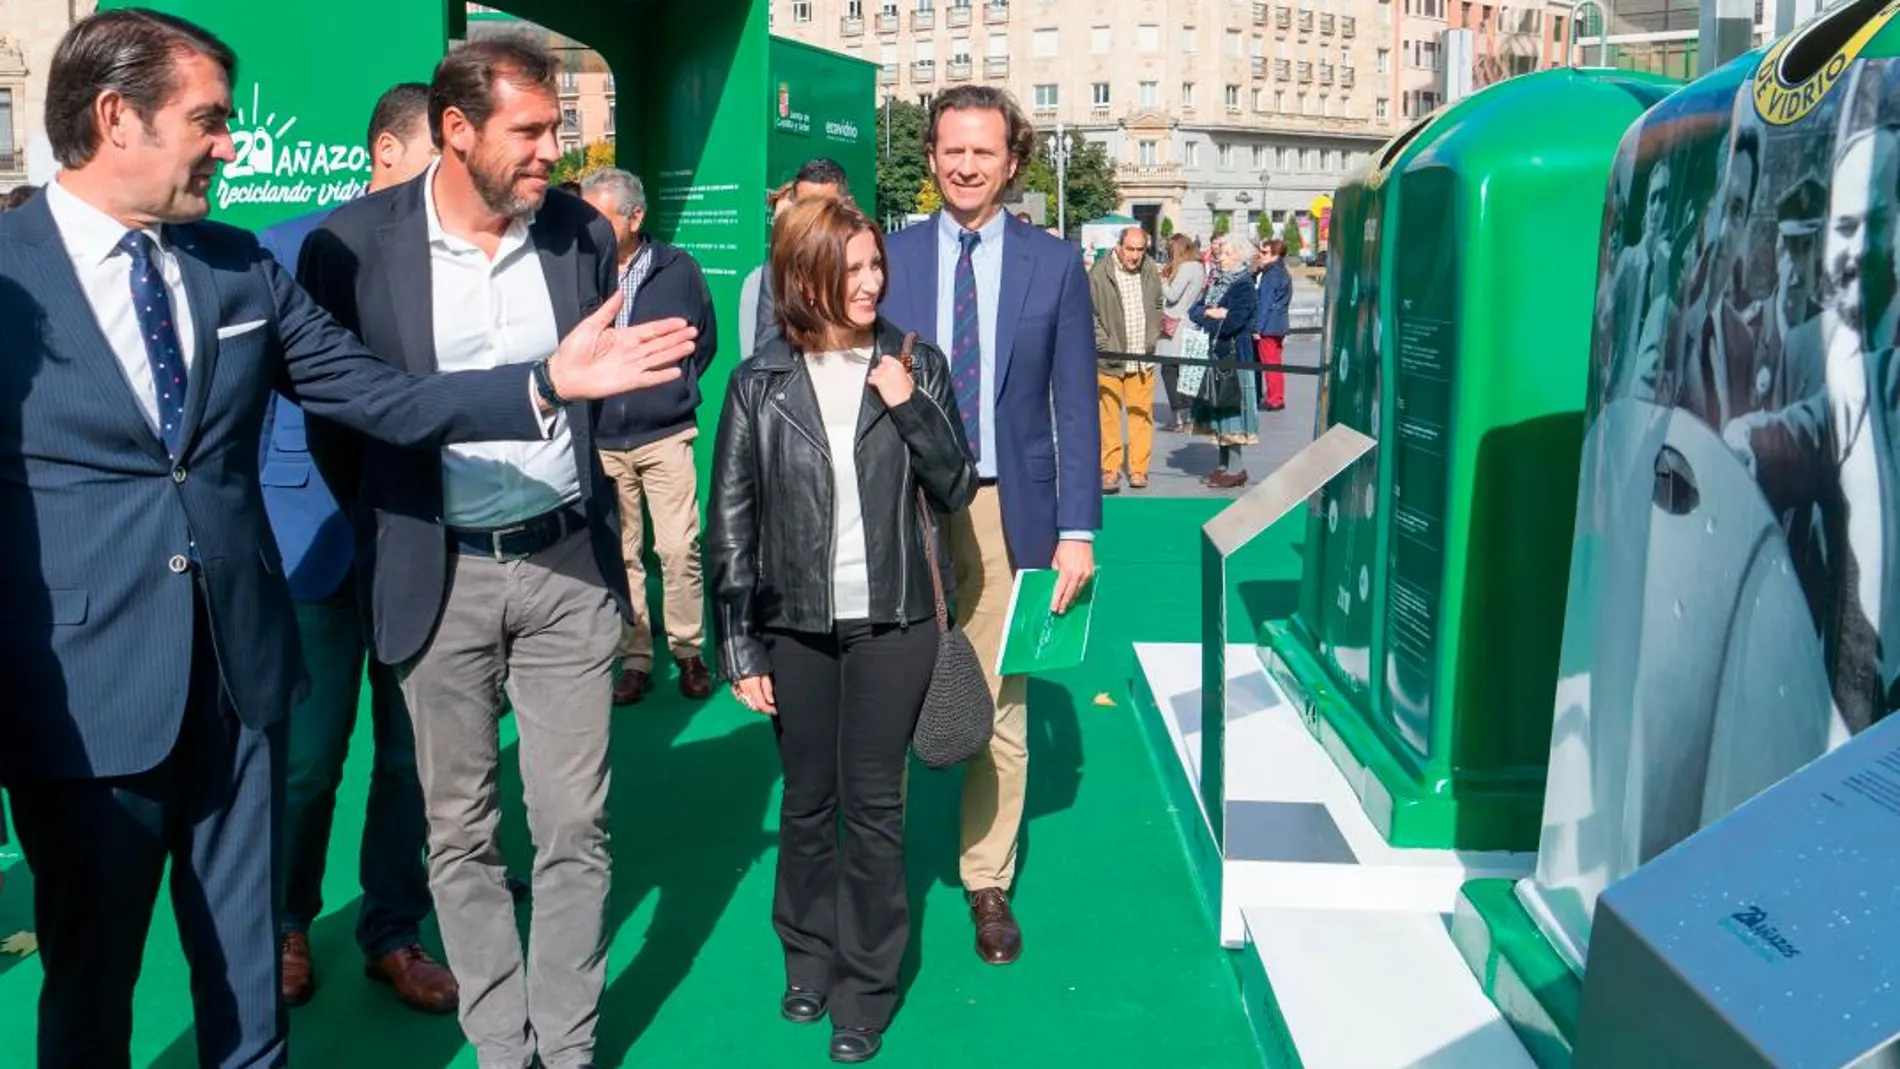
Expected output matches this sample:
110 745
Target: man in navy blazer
315 540
148 646
1010 305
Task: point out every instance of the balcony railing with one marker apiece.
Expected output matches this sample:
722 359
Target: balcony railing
1282 69
1325 23
1260 14
1345 77
1303 70
958 17
923 20
1348 26
959 70
1282 18
923 71
1306 22
995 14
1325 73
12 162
850 27
887 74
996 66
888 22
1259 66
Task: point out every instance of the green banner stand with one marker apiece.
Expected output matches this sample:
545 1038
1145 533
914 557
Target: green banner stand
1463 265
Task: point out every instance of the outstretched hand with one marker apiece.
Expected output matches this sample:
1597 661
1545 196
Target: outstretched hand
597 359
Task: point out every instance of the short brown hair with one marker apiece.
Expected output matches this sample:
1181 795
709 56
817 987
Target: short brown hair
132 52
1019 135
466 78
810 266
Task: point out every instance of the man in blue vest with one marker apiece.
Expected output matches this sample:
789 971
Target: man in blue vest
314 537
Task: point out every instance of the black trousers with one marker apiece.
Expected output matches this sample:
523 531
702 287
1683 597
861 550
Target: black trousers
847 703
98 850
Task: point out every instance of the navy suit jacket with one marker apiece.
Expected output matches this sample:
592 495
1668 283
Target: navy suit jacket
1048 433
96 629
312 533
369 265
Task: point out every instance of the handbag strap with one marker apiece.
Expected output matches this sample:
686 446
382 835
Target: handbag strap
925 517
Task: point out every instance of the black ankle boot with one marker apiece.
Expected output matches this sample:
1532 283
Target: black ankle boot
802 1005
855 1045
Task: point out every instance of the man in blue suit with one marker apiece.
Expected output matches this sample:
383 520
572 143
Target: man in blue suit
313 535
1011 306
148 643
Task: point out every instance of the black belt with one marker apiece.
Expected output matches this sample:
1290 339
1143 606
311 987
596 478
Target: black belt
991 481
518 540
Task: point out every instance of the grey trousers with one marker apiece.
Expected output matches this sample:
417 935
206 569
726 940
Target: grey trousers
544 630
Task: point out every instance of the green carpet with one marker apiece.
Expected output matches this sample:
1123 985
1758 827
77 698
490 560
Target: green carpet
1121 968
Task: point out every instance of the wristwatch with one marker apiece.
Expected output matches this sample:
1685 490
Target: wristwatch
544 386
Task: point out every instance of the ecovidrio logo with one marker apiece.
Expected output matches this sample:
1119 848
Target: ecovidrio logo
275 167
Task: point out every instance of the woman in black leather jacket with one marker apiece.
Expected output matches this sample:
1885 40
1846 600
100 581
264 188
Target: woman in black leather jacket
823 602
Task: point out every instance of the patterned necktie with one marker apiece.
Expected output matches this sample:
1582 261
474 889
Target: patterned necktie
153 305
966 346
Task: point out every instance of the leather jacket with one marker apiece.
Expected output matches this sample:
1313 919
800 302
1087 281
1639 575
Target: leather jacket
770 523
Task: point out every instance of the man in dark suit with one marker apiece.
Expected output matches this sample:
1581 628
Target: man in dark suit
148 645
496 565
1010 304
313 536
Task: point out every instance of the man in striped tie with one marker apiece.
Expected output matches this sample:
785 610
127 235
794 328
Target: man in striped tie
1011 306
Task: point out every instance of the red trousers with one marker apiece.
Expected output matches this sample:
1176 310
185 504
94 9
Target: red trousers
1273 383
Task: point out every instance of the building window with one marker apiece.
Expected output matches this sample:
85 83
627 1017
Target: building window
998 47
1260 157
801 10
1383 61
1047 44
1279 158
1099 42
1279 100
1301 104
1224 155
960 51
1193 153
926 54
1148 154
1187 94
1231 96
1426 9
571 120
1259 99
1046 98
1233 44
1148 38
570 81
1187 40
854 9
1100 94
1150 94
1381 109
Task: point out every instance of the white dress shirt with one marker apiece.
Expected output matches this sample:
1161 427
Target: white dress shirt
838 378
92 241
488 313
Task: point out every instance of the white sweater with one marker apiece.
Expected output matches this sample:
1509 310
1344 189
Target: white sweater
839 380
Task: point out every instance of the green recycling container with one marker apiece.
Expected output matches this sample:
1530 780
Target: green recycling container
1462 275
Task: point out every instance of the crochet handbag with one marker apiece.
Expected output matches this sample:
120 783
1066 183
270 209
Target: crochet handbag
959 711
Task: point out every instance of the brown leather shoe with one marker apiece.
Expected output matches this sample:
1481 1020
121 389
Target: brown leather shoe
1138 482
695 679
300 973
998 940
421 982
632 685
1227 480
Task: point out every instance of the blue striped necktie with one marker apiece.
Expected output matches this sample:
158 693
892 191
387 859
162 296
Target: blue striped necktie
153 305
966 346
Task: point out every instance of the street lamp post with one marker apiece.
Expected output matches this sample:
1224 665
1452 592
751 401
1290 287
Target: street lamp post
1059 155
1266 179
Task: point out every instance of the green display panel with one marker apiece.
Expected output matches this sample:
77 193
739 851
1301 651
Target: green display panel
822 104
300 118
1464 263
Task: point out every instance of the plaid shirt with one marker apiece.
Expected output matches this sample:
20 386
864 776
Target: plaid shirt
630 281
1134 312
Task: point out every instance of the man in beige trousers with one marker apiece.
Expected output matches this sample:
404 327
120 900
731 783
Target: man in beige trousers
646 445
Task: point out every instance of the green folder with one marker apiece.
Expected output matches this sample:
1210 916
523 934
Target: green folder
1036 640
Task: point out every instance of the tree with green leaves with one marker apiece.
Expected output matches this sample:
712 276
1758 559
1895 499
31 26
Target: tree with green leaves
1223 222
902 174
1091 191
1290 233
1263 224
577 163
1167 227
